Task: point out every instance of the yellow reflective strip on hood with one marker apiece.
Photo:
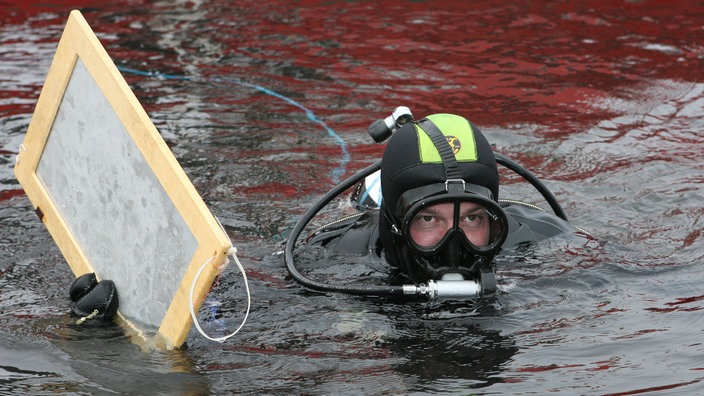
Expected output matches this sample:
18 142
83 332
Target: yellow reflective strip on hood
458 133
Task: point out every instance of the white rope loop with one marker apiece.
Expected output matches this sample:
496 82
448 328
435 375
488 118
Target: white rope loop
91 316
21 149
232 252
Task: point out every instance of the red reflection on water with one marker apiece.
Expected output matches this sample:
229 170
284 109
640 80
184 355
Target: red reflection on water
676 306
7 194
686 300
501 63
539 369
639 333
653 389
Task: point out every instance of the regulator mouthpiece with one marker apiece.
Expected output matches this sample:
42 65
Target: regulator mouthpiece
381 130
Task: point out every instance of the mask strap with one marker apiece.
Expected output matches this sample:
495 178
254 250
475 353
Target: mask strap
452 168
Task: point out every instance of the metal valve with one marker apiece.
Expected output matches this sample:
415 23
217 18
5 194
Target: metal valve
381 130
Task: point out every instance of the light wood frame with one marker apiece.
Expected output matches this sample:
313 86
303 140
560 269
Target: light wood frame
79 42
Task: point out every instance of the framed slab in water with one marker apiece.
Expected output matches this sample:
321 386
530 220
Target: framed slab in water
112 194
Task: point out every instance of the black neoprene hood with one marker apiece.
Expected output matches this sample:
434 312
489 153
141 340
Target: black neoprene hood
411 160
403 169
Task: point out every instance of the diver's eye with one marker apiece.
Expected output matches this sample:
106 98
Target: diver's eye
424 221
474 220
426 218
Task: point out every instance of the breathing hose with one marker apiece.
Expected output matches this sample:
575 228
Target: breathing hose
523 172
434 289
363 290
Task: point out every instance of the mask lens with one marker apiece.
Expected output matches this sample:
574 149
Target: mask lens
429 226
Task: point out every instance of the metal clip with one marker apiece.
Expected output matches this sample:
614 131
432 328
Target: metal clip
454 182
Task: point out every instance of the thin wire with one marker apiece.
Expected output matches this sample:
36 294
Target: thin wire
232 252
336 173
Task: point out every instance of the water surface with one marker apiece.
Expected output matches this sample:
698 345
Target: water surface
266 104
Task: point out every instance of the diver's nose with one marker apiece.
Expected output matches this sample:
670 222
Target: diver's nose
452 253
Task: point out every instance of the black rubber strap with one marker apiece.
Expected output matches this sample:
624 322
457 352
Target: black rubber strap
452 168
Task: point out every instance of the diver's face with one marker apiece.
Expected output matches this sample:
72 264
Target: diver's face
432 223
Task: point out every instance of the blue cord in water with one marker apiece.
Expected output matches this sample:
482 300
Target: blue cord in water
337 173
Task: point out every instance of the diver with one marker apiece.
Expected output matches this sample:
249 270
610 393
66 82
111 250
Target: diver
431 209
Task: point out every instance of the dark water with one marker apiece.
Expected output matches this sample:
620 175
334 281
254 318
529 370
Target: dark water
266 103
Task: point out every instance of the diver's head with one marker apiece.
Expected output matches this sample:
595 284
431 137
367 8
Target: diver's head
439 215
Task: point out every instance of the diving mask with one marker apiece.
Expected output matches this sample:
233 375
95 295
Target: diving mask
450 227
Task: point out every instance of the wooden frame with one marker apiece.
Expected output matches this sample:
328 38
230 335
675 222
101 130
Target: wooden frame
39 169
